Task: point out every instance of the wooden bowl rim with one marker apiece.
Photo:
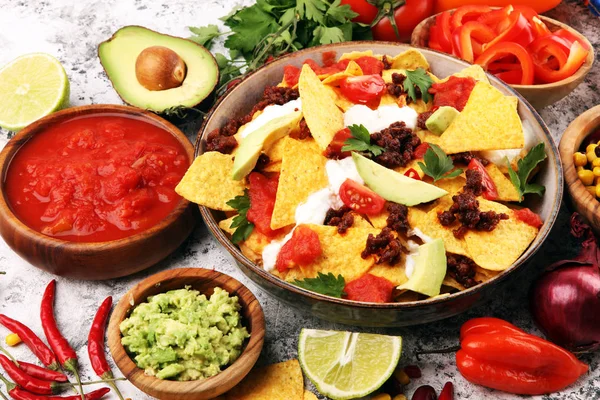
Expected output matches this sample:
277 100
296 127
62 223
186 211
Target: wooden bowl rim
216 231
20 140
124 306
581 72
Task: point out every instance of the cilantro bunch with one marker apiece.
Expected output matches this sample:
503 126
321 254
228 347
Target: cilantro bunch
271 28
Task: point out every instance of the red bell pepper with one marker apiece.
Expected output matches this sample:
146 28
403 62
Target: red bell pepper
412 173
467 11
493 18
539 28
570 37
543 48
515 29
445 36
434 38
513 77
490 191
508 48
577 57
462 38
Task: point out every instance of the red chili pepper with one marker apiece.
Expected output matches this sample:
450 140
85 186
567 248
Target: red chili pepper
412 173
42 373
20 394
65 353
490 191
35 344
447 392
500 356
27 381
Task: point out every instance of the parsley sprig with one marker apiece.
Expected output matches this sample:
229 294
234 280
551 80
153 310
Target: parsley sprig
525 166
421 79
437 164
361 141
240 222
328 284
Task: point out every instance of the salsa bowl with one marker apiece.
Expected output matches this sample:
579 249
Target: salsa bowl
239 101
102 259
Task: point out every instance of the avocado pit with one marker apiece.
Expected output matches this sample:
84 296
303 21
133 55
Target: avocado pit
160 68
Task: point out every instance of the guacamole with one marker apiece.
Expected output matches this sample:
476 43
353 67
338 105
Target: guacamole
181 335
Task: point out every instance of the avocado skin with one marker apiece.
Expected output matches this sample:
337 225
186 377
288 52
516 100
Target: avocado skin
118 54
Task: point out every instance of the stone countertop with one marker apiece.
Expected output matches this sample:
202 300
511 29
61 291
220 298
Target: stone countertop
72 30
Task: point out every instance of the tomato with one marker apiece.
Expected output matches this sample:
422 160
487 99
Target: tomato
529 217
262 194
538 5
420 151
406 18
508 48
334 150
455 92
370 288
577 57
369 65
466 11
291 75
365 10
490 192
302 249
462 38
363 89
360 198
328 58
412 173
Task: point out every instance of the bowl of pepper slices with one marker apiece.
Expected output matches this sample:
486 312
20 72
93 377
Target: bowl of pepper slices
543 59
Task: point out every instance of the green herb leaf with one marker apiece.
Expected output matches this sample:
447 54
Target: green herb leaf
418 78
361 141
437 164
240 222
526 165
312 9
327 35
340 12
249 25
328 284
204 35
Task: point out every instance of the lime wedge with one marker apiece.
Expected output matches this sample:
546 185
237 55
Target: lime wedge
31 87
347 365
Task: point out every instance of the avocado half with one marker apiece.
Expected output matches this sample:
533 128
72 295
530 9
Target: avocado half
118 56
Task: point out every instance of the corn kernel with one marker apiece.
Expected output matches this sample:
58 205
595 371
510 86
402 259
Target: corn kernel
580 169
597 191
591 156
401 377
382 396
595 163
399 397
579 159
586 176
592 190
13 339
591 147
596 171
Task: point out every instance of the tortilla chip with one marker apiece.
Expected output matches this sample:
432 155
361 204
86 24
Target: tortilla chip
208 181
275 152
336 79
451 185
451 282
484 275
489 121
414 164
387 100
410 59
309 395
506 189
474 71
273 167
386 74
499 249
379 221
393 273
360 222
340 100
353 55
420 106
428 137
514 100
323 117
255 243
428 223
302 173
282 381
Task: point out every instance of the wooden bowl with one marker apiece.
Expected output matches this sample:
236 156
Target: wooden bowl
239 101
539 96
572 139
203 280
97 260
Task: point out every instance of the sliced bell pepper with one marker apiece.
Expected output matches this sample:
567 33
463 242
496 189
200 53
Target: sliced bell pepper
539 27
462 38
517 30
512 77
445 36
493 18
466 11
543 48
509 48
526 11
571 37
434 38
575 60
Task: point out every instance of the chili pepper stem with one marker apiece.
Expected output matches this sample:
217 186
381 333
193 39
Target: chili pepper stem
3 350
3 396
71 365
116 389
110 380
447 350
9 385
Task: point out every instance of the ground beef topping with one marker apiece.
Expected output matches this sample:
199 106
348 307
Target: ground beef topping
466 157
387 64
303 133
396 87
422 119
474 182
222 140
462 269
398 218
342 218
465 210
386 246
399 143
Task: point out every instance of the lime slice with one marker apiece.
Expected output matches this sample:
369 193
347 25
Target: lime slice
31 87
347 365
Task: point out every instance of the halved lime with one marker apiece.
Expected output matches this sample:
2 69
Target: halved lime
31 87
347 365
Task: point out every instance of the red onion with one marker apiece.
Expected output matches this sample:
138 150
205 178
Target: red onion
565 302
424 392
447 392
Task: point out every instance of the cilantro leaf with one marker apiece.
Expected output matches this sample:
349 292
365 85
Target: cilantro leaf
328 284
421 79
525 167
361 141
249 25
240 222
204 35
312 9
437 164
340 12
327 35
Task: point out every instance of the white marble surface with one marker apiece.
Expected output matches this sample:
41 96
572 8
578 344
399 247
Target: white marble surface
71 30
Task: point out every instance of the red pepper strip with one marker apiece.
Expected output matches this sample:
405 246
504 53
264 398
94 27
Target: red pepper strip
493 18
462 12
503 49
539 27
477 326
550 46
42 373
35 344
511 77
412 173
20 394
517 30
576 58
527 12
462 38
445 37
27 381
571 37
434 38
65 353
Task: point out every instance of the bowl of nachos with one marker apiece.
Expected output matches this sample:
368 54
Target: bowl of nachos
376 184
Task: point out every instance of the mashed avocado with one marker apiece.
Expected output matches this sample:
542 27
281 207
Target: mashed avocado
182 335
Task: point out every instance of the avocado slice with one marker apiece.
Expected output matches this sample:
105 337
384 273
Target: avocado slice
441 119
394 186
253 144
430 269
119 54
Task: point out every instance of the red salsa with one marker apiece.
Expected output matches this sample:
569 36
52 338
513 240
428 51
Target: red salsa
96 178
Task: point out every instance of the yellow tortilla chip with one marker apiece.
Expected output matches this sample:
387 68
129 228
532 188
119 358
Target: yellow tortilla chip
414 164
353 55
282 381
393 273
379 221
506 189
208 181
499 249
309 395
275 151
489 121
420 106
302 173
273 167
336 79
340 100
451 282
474 71
361 222
451 185
410 59
321 114
428 137
428 223
514 100
387 99
255 243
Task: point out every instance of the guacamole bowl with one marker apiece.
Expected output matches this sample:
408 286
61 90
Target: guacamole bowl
240 100
205 281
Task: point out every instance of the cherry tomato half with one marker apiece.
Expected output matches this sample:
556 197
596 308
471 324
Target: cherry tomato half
407 17
360 198
490 192
363 89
